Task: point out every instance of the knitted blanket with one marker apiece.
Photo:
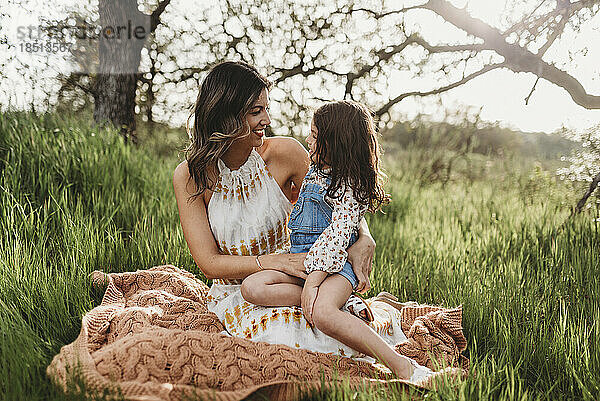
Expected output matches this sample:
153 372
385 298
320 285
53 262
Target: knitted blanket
152 338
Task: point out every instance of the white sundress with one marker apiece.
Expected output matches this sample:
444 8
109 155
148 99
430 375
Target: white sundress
248 215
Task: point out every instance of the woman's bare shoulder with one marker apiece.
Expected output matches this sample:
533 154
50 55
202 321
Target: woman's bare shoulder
283 148
181 171
181 177
182 181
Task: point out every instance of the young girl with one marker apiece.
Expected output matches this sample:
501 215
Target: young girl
343 182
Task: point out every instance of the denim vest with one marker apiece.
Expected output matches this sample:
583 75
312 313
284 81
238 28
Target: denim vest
311 214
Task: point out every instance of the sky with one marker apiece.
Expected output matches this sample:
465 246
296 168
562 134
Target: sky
499 95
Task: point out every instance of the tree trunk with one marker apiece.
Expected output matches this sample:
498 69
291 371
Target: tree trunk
150 98
124 31
115 103
589 192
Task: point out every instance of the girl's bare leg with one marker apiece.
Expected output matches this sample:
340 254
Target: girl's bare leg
272 288
352 331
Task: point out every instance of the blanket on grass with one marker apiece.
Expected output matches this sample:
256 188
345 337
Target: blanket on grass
152 338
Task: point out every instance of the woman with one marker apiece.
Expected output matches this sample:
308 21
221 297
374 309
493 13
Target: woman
234 193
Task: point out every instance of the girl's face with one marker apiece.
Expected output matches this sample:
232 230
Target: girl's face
258 119
311 141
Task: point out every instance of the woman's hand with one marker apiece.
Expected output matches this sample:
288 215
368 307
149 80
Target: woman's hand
289 263
360 256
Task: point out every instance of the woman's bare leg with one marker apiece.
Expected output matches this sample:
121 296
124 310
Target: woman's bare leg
272 288
352 331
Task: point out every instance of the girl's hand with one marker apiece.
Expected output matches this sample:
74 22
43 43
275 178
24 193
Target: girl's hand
360 256
289 263
309 293
307 301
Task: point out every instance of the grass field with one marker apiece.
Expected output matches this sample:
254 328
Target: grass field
74 199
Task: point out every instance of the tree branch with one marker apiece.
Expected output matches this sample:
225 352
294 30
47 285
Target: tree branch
377 15
474 47
523 23
560 27
382 55
155 16
516 58
453 85
531 91
73 79
561 7
299 70
590 191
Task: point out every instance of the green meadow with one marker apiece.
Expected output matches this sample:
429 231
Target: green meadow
491 236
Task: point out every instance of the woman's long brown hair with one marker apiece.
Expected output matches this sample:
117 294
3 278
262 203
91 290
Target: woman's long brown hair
347 143
225 97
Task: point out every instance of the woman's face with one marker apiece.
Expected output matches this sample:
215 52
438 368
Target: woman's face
258 119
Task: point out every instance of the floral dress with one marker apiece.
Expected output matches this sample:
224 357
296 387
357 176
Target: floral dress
248 215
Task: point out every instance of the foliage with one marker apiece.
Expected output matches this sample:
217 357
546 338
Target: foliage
464 148
74 199
320 50
584 161
470 132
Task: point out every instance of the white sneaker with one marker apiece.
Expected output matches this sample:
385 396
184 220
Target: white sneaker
420 373
359 308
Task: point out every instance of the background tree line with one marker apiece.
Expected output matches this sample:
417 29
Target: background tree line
313 51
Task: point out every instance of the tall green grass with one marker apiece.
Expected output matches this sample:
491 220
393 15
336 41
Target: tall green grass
74 198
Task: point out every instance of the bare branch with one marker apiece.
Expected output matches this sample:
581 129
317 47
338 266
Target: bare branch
382 56
558 30
453 85
590 191
300 70
316 28
531 91
562 7
377 15
474 47
73 79
523 22
516 58
155 16
580 205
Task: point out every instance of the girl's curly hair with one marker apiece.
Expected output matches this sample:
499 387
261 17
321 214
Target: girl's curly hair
347 143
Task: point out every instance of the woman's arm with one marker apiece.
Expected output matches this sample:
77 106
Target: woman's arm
202 245
360 256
